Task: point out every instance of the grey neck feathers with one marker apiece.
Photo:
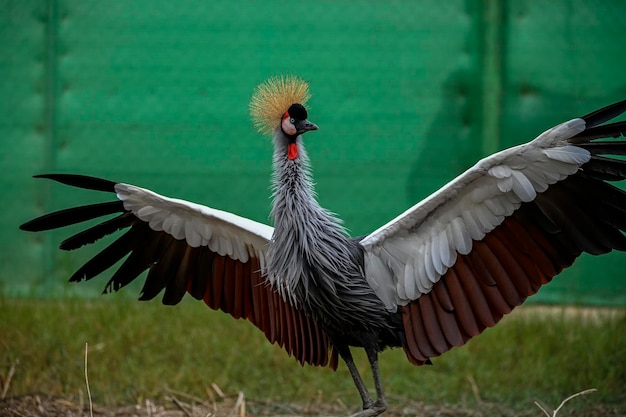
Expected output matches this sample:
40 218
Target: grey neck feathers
310 253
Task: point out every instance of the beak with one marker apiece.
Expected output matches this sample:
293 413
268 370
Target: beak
305 126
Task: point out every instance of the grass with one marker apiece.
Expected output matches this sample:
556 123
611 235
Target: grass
138 350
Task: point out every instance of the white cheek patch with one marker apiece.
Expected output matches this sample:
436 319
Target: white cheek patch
288 127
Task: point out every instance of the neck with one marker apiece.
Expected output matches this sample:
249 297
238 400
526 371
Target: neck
304 233
291 180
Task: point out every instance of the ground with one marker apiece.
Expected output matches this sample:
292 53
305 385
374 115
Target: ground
593 355
179 405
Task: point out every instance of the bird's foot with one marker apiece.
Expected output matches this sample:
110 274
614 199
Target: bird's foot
371 410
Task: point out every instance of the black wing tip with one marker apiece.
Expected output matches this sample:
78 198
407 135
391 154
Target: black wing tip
29 226
66 217
604 114
81 181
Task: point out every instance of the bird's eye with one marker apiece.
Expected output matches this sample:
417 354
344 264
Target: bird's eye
292 120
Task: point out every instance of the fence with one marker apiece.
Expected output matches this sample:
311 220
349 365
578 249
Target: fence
407 95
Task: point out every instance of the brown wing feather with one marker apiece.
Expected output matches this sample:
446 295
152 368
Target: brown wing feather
175 268
450 327
461 303
414 335
582 213
515 259
238 289
433 329
483 254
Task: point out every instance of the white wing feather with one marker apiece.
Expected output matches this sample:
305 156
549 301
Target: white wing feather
223 232
407 256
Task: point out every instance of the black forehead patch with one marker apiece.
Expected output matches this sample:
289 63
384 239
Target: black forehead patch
297 111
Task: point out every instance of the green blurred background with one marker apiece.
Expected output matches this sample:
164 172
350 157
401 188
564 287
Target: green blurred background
407 95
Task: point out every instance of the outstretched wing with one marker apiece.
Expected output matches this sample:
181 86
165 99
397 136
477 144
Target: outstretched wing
213 255
459 260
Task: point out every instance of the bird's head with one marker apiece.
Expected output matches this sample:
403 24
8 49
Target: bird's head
295 122
279 101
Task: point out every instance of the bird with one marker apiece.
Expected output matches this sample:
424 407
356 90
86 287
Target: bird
428 280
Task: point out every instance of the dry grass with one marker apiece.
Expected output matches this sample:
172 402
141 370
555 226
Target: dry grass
181 405
136 353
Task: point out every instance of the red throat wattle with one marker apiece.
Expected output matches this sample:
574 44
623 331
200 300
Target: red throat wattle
292 151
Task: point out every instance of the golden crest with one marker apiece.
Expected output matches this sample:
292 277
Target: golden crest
272 98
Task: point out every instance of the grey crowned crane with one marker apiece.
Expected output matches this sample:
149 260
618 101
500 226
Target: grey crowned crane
430 279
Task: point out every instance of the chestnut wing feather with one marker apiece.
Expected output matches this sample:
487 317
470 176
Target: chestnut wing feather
460 260
215 256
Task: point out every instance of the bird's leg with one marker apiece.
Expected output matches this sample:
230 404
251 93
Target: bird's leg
381 402
346 355
371 408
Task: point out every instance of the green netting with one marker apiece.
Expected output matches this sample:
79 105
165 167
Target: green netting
406 94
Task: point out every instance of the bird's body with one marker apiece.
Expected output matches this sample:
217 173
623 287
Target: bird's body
316 266
311 260
427 281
